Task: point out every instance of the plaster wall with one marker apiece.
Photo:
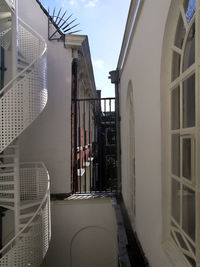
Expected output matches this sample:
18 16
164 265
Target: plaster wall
142 68
92 239
48 139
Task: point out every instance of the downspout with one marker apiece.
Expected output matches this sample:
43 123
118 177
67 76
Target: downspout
74 98
114 76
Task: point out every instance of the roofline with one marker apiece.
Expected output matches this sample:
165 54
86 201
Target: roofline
81 43
133 16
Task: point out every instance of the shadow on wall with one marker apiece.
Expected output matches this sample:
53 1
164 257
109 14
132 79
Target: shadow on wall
93 246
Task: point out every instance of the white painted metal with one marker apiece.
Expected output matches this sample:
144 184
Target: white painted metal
23 188
186 245
30 245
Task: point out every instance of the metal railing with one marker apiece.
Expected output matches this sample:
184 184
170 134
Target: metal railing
18 91
33 239
94 145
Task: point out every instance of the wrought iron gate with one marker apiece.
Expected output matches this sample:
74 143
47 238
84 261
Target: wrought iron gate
94 149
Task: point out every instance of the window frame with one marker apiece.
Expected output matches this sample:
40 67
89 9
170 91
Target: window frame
167 86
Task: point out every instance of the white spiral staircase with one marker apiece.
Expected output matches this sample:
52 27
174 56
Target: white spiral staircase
24 188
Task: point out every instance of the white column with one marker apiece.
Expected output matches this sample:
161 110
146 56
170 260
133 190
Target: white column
14 73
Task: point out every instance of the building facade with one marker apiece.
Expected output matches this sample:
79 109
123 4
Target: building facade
159 106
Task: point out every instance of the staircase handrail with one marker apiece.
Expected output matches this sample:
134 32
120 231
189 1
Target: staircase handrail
11 4
17 236
35 61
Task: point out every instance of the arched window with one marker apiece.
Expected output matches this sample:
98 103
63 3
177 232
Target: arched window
183 134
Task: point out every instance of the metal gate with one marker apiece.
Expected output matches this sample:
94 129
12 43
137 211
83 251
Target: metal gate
94 148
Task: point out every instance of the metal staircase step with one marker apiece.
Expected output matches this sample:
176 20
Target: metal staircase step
21 67
3 156
30 204
6 182
21 225
5 174
4 26
21 76
5 15
12 146
6 205
7 191
26 215
22 61
5 200
7 165
5 20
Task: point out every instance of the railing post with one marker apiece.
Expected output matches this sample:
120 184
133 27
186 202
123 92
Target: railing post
14 39
114 76
16 188
74 98
37 182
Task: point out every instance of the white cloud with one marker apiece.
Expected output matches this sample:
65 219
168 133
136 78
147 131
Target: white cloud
92 3
73 2
99 63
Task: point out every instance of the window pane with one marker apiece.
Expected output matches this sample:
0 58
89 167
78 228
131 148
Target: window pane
176 200
189 102
176 154
175 109
174 239
180 33
190 260
181 240
187 153
176 65
189 53
190 7
188 212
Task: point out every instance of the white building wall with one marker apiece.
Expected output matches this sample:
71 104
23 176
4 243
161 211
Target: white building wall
48 139
92 239
143 69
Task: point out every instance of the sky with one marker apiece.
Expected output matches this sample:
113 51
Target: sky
104 22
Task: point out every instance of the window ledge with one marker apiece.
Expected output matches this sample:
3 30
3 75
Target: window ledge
174 255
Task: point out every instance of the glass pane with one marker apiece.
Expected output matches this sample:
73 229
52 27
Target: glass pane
180 33
175 200
176 65
191 246
190 7
175 109
188 212
189 53
190 260
181 241
176 154
189 102
187 161
174 239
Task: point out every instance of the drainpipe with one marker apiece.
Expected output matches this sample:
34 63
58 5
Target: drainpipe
114 76
74 98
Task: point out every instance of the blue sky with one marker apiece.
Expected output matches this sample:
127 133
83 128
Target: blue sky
104 22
